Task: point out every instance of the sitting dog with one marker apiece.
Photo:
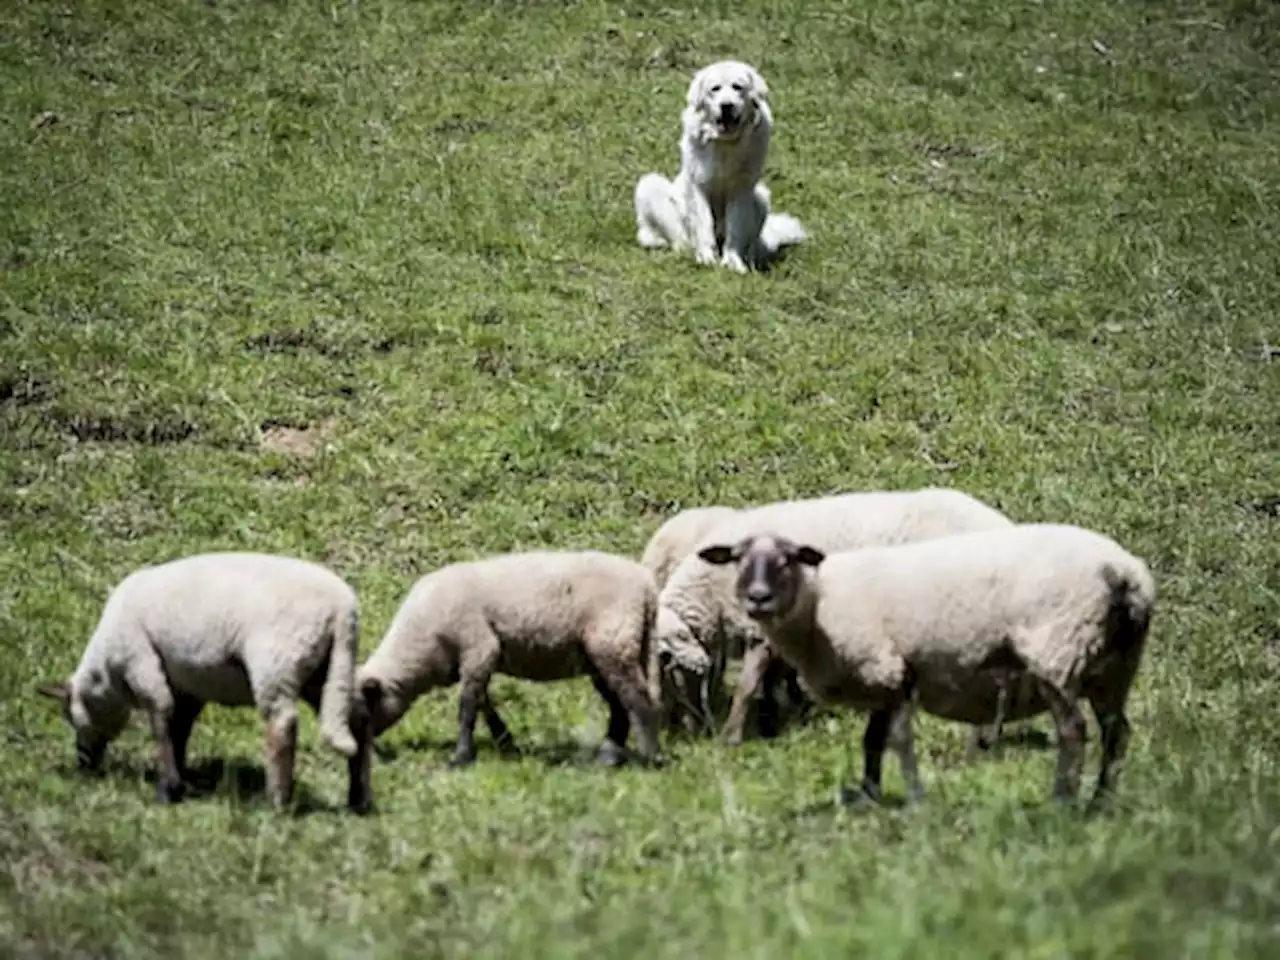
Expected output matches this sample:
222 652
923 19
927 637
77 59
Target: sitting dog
718 204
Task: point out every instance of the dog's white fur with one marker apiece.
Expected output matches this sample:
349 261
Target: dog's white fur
718 204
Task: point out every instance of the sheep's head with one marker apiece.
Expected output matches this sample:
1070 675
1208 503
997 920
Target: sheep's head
95 720
383 705
770 573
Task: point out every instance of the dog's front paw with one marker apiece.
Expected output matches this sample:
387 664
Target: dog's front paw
705 255
732 260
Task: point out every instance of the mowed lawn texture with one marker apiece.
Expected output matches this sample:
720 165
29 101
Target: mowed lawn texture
358 283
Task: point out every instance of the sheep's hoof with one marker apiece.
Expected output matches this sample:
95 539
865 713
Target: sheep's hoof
1063 799
611 755
360 801
1100 804
508 747
462 759
168 793
864 797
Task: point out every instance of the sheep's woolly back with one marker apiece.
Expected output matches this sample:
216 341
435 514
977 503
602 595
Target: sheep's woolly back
697 603
674 540
537 603
1059 596
211 618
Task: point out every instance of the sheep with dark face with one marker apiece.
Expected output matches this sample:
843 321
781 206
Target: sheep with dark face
698 619
539 616
240 629
939 622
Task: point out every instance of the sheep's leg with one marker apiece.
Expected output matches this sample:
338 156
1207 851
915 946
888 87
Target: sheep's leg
185 711
986 736
902 736
613 750
472 695
800 699
1115 730
711 689
874 741
478 663
628 700
168 776
755 669
147 682
1071 736
281 721
497 729
768 709
359 767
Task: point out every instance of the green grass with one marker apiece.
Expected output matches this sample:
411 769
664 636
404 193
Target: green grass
1044 269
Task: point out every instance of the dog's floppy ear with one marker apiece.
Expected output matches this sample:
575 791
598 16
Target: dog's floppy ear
759 89
697 87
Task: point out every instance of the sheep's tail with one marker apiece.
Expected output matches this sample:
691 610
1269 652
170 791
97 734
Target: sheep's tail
1133 597
781 230
340 684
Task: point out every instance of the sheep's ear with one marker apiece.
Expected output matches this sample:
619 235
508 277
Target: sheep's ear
809 556
56 691
717 555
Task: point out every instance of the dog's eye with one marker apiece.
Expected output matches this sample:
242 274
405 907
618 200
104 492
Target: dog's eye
737 87
716 88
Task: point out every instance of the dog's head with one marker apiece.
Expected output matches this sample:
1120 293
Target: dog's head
729 97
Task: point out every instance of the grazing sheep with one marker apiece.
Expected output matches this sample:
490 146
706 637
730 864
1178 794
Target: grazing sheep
680 685
938 622
537 616
238 629
697 606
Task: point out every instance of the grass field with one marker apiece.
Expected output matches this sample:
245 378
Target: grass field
358 282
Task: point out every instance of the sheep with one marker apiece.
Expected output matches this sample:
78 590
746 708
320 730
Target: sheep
680 683
237 629
538 616
677 537
937 622
696 606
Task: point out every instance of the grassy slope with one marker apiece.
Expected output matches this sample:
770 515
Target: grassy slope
1043 270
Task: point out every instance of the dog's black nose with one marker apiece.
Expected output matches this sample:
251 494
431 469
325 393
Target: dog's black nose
728 111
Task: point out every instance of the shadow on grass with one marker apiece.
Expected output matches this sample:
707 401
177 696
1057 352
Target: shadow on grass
212 778
565 753
826 808
1028 738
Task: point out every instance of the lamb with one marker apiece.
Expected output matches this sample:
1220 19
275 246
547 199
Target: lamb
679 685
936 622
538 616
697 611
238 629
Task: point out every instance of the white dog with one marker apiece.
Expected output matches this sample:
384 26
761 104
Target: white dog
717 204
